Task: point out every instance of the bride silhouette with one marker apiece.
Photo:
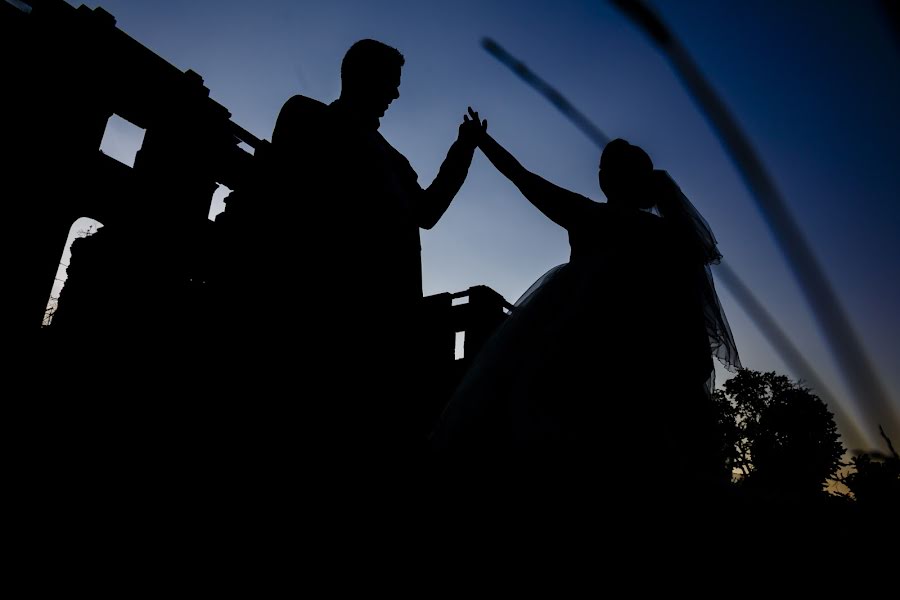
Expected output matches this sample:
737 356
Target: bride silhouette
605 365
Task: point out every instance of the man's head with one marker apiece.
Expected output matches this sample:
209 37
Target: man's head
625 174
370 76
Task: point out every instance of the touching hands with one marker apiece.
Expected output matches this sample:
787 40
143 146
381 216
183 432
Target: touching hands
472 130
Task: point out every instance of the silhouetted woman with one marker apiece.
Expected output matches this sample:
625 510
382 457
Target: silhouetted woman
605 365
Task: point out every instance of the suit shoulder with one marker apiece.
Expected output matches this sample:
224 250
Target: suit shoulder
303 103
296 115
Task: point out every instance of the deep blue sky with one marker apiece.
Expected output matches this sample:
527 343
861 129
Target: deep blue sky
814 84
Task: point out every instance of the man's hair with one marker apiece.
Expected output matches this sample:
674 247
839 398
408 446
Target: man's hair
368 58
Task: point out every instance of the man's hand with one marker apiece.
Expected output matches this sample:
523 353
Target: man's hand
472 131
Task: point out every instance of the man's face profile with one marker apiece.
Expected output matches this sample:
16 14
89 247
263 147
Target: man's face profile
385 88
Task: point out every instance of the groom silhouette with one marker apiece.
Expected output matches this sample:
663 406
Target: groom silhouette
347 209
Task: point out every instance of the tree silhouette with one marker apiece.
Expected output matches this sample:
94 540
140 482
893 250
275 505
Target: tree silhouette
874 480
779 435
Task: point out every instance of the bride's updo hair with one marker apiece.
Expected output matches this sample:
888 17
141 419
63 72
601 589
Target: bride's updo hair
625 174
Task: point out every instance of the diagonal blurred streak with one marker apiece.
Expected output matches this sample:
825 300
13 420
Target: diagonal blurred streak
548 91
787 351
891 11
855 366
754 309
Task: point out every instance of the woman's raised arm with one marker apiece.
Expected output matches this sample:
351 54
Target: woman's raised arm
561 206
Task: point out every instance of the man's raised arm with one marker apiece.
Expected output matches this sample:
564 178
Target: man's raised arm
437 197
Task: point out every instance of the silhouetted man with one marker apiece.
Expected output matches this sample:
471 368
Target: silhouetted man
350 208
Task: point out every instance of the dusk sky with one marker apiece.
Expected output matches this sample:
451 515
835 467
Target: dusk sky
814 84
